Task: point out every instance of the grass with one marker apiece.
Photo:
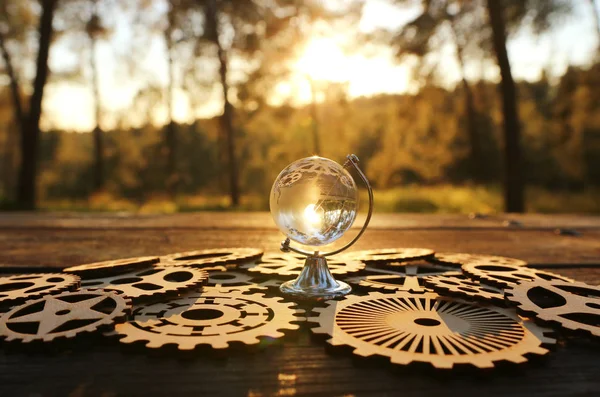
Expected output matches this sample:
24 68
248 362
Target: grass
424 199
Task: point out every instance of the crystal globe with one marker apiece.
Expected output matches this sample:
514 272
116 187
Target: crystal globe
314 201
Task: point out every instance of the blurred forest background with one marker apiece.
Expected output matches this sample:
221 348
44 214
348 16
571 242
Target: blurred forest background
175 105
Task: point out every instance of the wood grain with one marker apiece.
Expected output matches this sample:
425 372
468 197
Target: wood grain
299 365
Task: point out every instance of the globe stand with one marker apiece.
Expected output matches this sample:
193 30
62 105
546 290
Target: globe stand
315 280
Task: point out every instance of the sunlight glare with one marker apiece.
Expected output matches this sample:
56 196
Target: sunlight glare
311 216
323 59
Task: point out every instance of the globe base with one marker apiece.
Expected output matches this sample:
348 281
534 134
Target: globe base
315 282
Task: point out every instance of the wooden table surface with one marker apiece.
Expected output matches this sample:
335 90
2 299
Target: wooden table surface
300 364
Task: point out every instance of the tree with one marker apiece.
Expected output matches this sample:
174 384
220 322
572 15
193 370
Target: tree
263 34
95 31
514 195
28 117
446 18
170 131
213 34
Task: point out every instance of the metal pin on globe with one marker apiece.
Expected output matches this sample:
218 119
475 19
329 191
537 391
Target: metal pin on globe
314 201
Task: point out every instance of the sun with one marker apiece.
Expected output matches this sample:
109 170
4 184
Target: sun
323 59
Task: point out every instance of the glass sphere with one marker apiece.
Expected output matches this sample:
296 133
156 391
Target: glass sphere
314 201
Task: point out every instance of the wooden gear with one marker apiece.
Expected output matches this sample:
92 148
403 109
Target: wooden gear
109 268
64 316
575 306
150 282
389 255
284 265
236 281
214 318
463 287
410 328
505 275
458 259
209 257
400 278
22 287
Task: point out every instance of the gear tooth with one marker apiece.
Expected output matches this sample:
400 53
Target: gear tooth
539 351
127 339
440 363
521 359
152 343
359 351
221 344
483 363
186 346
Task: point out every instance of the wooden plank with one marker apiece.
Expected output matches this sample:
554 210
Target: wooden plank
301 365
68 247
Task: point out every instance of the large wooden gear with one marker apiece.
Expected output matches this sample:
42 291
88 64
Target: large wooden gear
389 255
236 281
214 318
428 328
210 257
150 282
285 265
22 287
109 268
409 277
64 316
464 287
456 259
574 306
504 275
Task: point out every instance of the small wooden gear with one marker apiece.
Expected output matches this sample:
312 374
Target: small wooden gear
211 257
150 282
574 306
400 278
64 316
109 268
463 287
284 265
389 255
213 317
236 281
22 287
458 259
505 275
428 328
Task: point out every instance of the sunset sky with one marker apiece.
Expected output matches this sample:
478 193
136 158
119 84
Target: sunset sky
69 105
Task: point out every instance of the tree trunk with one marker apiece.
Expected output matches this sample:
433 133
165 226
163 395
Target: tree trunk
170 131
97 133
475 157
315 118
26 195
14 85
19 121
513 179
227 118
